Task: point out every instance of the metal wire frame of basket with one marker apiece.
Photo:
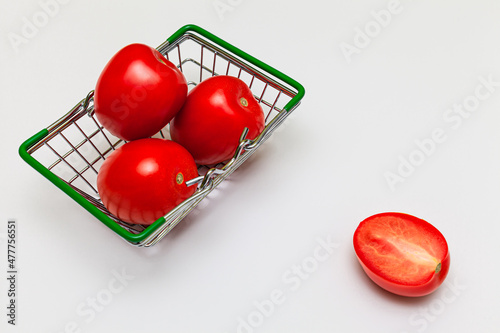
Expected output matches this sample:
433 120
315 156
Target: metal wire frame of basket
70 151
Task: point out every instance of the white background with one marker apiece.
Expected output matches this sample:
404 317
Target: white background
322 173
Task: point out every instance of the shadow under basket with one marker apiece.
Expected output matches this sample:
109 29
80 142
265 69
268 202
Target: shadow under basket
70 151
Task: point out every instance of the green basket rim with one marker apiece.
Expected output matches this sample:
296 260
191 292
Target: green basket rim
96 212
242 54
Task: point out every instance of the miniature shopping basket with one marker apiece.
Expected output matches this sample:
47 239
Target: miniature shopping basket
70 151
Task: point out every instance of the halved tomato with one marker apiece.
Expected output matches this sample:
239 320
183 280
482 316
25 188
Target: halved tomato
402 253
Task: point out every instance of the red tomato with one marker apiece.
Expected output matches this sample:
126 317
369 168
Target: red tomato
145 179
402 253
138 92
211 121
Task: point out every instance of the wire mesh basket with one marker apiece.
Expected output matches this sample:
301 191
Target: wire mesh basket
70 151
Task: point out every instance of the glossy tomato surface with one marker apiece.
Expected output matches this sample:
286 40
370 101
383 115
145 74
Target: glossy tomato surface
138 92
402 253
211 121
144 179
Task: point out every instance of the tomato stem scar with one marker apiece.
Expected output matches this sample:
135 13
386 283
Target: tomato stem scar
438 268
179 178
243 101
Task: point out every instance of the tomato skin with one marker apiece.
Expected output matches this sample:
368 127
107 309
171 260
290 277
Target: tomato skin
138 92
402 254
213 117
139 182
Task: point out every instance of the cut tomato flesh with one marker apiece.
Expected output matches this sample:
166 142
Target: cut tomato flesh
400 249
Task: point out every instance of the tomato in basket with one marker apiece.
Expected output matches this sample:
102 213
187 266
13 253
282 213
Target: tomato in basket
144 179
138 92
213 117
402 253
